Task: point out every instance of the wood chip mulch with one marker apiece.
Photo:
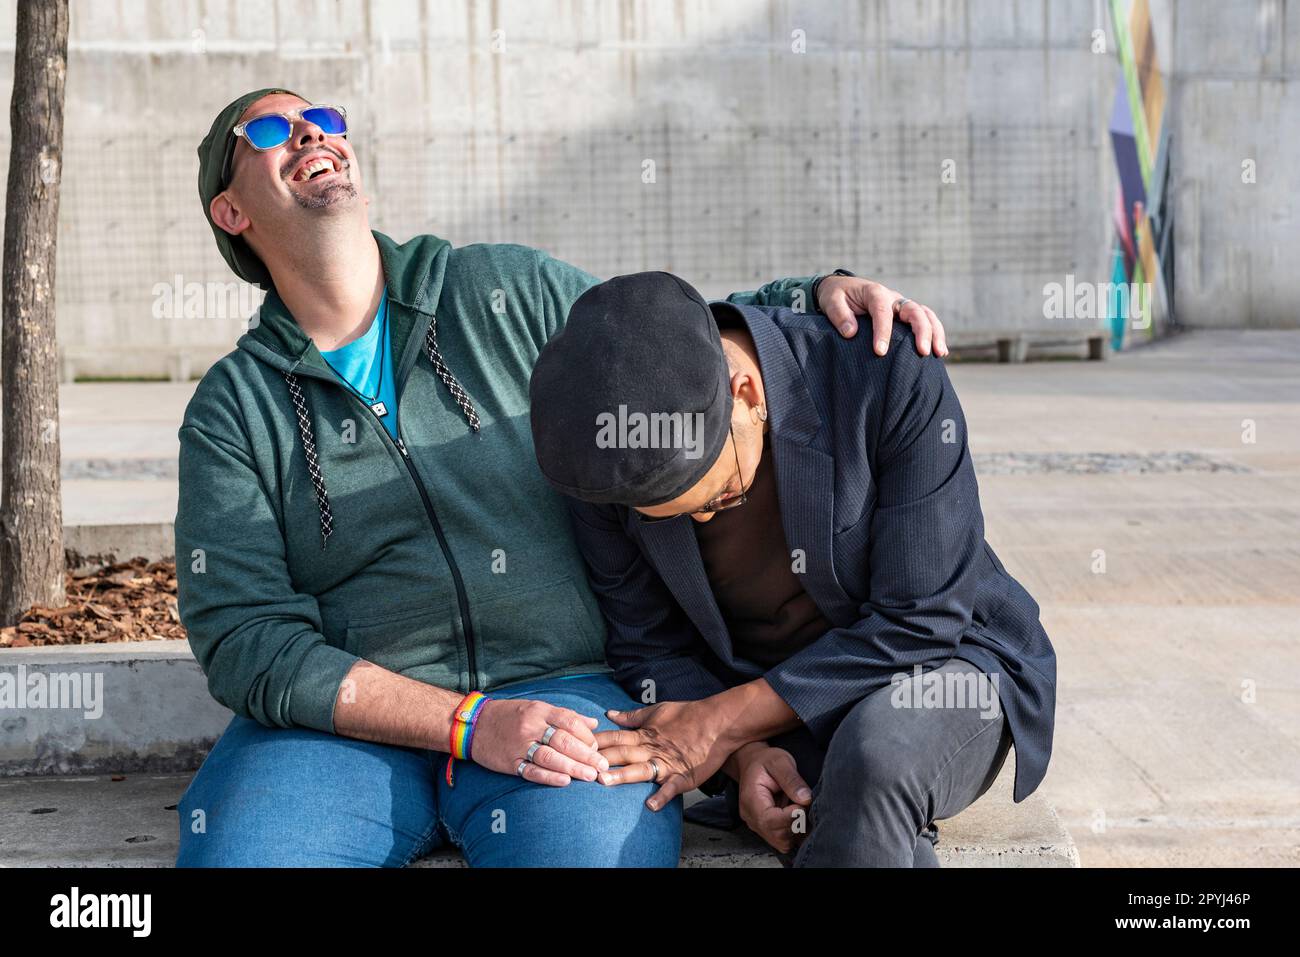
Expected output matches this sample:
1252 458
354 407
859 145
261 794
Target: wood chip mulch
130 601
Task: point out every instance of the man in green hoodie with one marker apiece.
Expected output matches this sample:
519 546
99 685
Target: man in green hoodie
374 576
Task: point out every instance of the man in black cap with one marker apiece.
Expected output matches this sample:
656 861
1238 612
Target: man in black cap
796 583
373 575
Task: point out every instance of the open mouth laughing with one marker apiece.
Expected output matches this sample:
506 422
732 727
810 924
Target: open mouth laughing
316 166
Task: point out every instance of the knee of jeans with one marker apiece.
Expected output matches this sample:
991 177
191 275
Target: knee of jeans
196 851
201 844
886 765
201 848
191 821
651 839
215 833
618 831
867 758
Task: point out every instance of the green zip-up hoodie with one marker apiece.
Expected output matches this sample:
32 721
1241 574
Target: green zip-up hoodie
443 556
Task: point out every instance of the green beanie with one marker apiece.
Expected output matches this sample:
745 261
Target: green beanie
212 160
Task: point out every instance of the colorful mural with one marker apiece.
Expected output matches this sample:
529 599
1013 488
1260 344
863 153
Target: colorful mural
1142 257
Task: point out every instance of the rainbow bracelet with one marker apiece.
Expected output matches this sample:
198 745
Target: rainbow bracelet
463 720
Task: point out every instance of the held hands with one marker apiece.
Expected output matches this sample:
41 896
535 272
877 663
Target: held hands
842 298
508 727
683 743
677 744
773 797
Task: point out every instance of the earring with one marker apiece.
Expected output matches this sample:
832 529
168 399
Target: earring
762 413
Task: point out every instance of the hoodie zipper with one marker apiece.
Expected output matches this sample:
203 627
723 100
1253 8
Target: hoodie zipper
462 597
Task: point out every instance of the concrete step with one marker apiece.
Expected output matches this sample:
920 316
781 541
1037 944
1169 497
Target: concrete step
113 708
96 821
151 721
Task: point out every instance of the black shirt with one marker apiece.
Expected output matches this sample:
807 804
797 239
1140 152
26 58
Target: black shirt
750 569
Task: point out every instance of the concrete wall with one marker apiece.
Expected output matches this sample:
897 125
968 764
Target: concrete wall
531 120
1233 99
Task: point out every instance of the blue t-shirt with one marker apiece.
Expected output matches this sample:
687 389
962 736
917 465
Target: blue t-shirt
361 362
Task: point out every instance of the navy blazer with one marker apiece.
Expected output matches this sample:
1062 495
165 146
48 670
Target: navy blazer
877 488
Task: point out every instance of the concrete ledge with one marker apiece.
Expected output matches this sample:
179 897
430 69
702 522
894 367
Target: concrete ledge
139 706
90 546
63 821
178 363
1028 344
997 832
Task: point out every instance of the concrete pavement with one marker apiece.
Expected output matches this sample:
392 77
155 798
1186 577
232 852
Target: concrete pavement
1167 569
130 821
1178 715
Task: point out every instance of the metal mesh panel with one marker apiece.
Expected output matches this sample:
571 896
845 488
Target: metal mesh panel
728 206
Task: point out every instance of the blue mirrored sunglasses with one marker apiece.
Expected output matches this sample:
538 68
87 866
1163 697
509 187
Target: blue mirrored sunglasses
271 130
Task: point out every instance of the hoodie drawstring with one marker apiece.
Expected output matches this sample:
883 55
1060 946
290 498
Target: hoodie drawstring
308 433
449 380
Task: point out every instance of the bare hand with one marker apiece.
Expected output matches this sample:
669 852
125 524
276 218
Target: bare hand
843 298
681 738
507 727
774 798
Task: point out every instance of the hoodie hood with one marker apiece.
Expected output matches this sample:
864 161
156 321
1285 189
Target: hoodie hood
413 272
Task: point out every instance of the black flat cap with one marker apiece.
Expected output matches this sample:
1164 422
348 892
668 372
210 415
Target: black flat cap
631 401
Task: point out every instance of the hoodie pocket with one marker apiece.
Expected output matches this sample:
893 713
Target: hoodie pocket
419 638
536 630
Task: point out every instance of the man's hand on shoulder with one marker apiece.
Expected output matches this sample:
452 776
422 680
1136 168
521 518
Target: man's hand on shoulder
843 298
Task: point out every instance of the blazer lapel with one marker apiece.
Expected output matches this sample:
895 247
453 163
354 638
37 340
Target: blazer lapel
805 475
805 480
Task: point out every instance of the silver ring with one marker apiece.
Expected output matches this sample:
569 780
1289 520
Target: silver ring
532 749
520 770
548 734
898 306
654 767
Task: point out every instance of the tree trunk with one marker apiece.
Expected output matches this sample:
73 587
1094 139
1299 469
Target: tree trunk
31 512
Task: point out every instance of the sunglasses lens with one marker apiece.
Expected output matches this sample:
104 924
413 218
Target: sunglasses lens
330 120
266 132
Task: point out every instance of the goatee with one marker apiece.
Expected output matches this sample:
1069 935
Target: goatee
335 192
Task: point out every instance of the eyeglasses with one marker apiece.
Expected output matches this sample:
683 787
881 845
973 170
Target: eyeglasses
714 505
722 505
271 130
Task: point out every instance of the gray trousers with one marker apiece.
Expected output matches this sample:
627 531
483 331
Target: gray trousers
897 763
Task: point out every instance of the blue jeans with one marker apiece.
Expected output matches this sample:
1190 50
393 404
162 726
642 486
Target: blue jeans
290 797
